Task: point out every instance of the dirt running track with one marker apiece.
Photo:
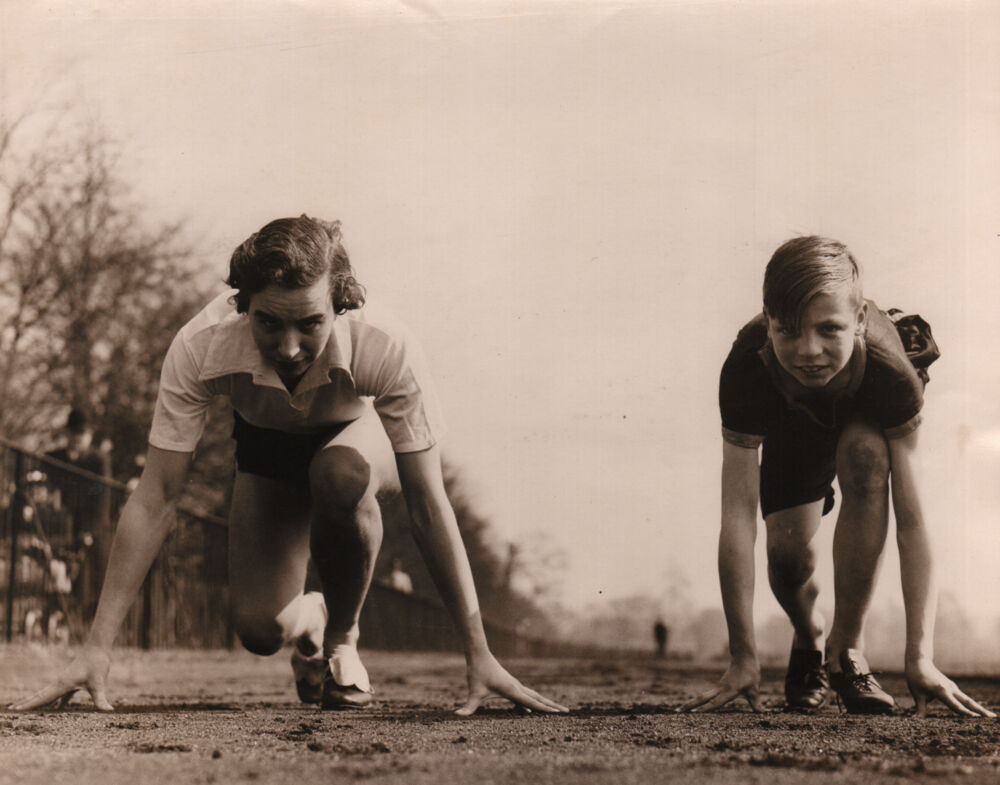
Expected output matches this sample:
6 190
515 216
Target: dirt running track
221 717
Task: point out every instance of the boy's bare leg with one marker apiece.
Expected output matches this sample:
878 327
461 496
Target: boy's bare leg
859 539
791 561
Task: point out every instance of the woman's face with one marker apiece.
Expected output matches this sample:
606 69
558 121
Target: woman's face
291 326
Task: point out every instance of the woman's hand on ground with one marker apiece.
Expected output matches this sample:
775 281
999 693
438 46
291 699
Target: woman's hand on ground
488 677
88 671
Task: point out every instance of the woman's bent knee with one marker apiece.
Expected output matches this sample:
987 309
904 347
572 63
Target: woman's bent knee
339 477
258 635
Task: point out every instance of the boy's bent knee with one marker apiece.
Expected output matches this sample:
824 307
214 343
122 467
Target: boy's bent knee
863 461
792 567
339 476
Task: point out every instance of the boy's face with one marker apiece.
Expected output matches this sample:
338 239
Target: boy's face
824 342
291 326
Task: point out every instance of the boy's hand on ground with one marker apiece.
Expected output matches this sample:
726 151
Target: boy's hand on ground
926 683
488 677
741 678
88 671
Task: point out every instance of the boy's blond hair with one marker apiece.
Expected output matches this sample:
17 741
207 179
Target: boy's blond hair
802 268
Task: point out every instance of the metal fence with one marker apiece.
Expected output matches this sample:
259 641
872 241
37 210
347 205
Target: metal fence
56 525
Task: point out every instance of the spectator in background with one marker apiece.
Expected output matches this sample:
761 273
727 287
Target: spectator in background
85 502
398 578
79 449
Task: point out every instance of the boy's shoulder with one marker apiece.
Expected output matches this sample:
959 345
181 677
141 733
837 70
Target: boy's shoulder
744 373
888 365
745 350
882 337
753 334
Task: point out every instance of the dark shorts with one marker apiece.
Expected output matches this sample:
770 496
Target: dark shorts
276 454
798 464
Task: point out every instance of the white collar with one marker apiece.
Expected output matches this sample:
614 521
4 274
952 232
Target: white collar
233 350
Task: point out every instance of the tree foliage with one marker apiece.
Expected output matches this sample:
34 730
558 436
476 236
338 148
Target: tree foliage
90 291
91 294
494 567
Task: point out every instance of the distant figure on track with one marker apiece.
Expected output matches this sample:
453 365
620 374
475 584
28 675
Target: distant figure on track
822 382
297 356
660 635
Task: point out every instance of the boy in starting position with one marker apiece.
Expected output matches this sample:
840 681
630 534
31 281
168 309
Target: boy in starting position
821 384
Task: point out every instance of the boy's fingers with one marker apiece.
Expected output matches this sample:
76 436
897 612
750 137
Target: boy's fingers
952 703
975 705
44 697
100 698
921 700
753 698
694 703
472 704
65 699
971 704
720 700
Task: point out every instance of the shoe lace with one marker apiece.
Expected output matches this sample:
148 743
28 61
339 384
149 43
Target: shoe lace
864 682
817 679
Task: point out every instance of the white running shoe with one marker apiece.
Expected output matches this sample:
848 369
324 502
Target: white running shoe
308 662
346 684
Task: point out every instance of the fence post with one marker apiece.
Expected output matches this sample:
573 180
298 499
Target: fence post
14 513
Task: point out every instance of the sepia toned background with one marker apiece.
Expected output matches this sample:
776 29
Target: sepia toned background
571 203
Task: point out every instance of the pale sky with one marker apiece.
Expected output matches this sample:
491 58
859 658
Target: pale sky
571 203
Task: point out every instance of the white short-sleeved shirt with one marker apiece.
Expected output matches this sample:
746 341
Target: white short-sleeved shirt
367 356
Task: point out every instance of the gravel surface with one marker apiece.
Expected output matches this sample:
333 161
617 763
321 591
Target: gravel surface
231 717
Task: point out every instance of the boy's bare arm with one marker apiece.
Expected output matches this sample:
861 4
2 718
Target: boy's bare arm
916 563
740 491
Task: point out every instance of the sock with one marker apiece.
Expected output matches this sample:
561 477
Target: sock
303 620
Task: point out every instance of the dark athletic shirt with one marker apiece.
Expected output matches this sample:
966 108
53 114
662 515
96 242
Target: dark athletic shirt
883 386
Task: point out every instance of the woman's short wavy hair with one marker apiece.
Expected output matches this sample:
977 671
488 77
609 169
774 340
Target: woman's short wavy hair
802 268
295 253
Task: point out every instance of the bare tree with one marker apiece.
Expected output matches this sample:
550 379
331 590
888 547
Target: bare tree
90 295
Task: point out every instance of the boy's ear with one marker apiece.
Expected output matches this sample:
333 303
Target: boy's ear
862 319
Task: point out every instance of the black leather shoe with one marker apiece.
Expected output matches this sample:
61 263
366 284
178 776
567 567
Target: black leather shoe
856 686
807 685
336 696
